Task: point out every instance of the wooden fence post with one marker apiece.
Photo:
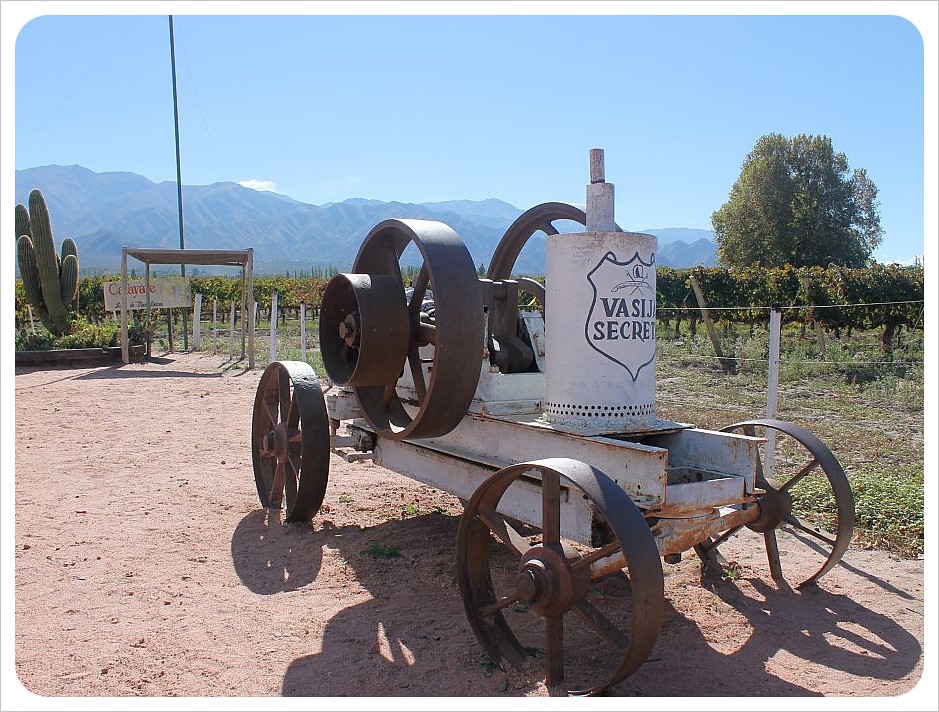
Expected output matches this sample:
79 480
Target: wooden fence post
819 332
231 332
728 364
169 327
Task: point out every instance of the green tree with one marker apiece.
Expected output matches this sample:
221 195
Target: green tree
796 203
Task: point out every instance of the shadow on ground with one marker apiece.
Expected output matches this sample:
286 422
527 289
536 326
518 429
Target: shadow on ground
415 626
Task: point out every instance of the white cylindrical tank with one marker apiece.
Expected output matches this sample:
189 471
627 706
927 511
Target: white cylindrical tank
600 323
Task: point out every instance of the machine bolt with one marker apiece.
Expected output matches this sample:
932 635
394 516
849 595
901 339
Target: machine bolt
349 331
267 444
528 585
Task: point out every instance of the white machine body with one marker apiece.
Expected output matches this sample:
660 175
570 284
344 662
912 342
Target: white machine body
600 332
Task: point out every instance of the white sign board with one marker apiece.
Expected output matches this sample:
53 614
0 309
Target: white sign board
164 292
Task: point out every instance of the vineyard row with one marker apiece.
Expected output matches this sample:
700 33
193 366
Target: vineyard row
873 297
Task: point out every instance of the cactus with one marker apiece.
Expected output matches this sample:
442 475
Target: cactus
50 281
22 221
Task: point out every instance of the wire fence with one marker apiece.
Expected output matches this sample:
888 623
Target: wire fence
810 362
228 323
802 307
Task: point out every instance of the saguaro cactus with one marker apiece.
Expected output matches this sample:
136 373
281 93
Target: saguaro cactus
50 281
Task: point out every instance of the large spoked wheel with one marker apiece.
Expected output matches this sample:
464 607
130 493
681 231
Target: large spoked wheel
444 381
807 512
539 218
290 440
593 613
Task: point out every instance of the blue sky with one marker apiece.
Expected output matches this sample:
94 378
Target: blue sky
429 107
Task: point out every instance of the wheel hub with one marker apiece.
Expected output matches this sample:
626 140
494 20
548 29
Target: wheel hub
545 580
364 328
774 507
275 442
349 330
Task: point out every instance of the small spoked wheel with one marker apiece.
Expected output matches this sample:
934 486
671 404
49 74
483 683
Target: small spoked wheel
807 508
591 613
290 440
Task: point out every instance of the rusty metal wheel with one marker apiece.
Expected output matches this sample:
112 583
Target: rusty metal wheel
539 218
593 613
290 440
370 334
807 505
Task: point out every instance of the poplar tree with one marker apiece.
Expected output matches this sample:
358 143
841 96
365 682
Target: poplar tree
797 202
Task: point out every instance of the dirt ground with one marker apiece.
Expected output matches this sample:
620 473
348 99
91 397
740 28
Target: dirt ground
144 566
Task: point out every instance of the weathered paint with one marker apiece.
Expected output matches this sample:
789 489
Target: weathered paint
461 476
641 469
600 314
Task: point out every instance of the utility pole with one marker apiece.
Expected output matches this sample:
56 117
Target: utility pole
179 180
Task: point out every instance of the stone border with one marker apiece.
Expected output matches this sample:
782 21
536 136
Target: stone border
110 354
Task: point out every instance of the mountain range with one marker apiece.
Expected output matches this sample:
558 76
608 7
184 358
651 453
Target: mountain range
104 212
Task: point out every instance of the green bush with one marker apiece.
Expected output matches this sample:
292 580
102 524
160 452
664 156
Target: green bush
28 341
83 334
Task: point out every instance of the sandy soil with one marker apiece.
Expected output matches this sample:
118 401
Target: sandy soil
144 566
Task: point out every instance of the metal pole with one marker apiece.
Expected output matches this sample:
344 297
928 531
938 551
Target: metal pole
125 351
251 305
179 180
302 331
273 322
146 285
772 395
244 313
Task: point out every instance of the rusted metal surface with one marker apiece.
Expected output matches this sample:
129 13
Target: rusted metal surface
364 329
508 351
290 440
445 384
541 217
673 536
552 579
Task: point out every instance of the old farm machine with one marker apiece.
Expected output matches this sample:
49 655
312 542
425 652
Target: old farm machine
544 425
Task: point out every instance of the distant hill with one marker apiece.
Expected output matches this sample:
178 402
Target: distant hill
104 212
686 235
692 248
